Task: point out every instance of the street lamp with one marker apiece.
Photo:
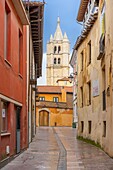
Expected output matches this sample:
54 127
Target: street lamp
72 78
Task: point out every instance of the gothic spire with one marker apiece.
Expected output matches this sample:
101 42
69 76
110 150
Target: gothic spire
58 34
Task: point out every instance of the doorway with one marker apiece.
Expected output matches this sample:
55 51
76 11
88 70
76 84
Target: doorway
18 110
43 118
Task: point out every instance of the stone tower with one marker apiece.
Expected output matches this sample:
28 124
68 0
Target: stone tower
58 53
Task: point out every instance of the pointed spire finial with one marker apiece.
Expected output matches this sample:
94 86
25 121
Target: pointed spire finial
51 38
58 20
65 36
58 34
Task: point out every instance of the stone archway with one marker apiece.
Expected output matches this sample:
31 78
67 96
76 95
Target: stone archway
43 118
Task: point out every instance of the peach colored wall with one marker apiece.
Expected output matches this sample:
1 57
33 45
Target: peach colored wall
62 117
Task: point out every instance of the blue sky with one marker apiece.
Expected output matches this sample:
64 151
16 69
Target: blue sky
67 11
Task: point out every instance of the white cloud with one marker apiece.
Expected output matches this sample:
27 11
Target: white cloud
42 80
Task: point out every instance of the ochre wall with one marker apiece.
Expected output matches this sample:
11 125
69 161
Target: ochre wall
94 112
49 97
62 117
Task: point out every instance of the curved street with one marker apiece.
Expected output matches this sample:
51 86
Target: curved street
58 149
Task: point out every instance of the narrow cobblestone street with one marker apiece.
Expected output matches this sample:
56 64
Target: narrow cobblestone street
58 149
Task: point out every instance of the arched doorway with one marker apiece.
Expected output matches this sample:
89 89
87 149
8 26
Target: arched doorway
43 118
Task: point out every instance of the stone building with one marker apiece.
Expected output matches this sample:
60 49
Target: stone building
58 53
54 106
95 72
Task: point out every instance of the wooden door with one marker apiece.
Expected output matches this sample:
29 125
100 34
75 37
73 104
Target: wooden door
43 118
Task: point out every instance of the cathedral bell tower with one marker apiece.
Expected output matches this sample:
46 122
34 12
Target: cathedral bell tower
58 53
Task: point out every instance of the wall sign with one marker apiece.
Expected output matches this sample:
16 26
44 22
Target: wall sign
95 88
3 113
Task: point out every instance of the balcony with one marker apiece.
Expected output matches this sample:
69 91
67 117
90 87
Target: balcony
101 47
91 11
89 19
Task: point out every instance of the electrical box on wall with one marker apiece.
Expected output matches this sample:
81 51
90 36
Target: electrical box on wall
7 150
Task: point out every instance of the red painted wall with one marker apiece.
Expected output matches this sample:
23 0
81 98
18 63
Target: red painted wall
12 84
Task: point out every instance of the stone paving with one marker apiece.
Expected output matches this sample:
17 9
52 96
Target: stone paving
58 149
82 156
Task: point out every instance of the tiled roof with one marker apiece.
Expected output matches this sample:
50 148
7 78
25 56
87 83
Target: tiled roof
53 89
86 30
68 89
49 89
82 9
64 79
51 104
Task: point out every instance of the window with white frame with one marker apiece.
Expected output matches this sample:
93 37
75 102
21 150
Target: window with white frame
55 99
41 98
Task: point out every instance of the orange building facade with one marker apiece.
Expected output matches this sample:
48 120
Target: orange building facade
54 106
13 72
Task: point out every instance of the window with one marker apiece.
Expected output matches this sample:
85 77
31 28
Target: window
104 128
89 52
7 33
4 107
55 49
82 58
89 93
59 49
54 60
82 126
58 60
55 99
104 91
41 98
89 126
20 52
81 96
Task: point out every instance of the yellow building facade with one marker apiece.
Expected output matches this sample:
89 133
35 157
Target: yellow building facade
54 106
95 73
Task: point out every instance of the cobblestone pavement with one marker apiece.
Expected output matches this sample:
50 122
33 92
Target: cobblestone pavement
58 149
